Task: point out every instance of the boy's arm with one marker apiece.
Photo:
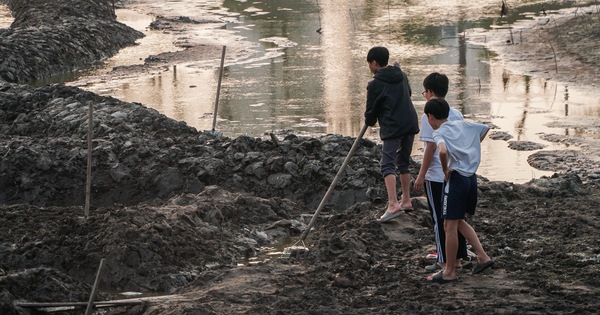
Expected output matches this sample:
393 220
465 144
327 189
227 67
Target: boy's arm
444 159
427 157
407 84
371 110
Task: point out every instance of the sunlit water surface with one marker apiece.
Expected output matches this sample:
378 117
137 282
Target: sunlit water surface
284 74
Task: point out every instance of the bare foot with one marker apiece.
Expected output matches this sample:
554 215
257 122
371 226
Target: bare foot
406 205
394 208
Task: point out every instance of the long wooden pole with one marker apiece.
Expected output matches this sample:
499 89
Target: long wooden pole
88 182
90 305
334 182
218 89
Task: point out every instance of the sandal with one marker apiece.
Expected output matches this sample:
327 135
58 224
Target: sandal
439 278
388 216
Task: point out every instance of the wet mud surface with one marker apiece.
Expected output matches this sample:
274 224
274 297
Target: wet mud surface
182 213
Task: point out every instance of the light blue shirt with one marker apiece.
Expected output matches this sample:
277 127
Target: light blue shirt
435 172
463 142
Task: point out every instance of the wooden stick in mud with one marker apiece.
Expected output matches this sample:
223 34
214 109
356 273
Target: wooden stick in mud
88 181
555 61
90 305
151 300
218 89
334 182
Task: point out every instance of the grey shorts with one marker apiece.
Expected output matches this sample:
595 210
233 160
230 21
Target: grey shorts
396 155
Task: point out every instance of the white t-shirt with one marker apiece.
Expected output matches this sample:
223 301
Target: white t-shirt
463 141
434 172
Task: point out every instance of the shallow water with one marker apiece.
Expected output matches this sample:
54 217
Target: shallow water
5 17
280 73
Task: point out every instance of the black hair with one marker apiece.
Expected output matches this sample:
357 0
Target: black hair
380 54
437 107
436 83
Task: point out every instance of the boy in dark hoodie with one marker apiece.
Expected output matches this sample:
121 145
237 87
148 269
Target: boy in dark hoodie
389 103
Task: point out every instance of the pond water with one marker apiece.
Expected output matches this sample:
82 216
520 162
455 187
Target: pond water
301 65
5 17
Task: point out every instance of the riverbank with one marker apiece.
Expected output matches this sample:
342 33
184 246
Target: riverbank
563 47
560 47
177 211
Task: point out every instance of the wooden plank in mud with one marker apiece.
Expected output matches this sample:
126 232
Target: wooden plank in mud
101 304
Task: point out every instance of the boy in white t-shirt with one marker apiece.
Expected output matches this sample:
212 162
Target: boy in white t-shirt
459 146
431 176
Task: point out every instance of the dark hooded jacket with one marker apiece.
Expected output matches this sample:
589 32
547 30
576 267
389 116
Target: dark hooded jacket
388 101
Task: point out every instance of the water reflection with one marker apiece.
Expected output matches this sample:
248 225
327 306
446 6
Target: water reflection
338 45
301 65
6 18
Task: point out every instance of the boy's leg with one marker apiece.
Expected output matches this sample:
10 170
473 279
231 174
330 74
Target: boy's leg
467 185
434 193
467 230
392 193
405 183
388 171
403 162
451 228
453 211
462 248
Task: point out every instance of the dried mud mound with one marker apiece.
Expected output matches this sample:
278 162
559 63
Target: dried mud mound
51 37
147 247
139 155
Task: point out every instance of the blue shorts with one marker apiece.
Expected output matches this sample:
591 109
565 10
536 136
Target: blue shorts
460 196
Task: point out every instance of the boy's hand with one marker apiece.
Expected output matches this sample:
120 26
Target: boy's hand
418 186
447 174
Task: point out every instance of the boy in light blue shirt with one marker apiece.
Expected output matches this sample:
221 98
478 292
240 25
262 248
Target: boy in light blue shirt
431 174
459 146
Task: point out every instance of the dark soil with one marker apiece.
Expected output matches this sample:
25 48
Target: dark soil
181 215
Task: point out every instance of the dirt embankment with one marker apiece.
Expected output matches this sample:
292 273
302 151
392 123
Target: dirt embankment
139 155
52 37
563 47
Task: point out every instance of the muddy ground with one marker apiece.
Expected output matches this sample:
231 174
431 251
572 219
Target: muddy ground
181 214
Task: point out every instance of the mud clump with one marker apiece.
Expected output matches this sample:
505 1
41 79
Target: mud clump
53 37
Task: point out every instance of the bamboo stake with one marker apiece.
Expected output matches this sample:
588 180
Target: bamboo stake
555 61
90 305
218 90
88 181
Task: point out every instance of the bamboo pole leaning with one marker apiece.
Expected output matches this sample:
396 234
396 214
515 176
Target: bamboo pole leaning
218 90
334 182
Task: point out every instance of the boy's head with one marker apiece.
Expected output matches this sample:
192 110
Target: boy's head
438 108
378 55
436 83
